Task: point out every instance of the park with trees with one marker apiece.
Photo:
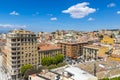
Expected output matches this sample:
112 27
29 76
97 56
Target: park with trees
53 62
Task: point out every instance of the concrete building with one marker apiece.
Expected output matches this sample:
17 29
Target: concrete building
47 50
3 36
72 49
40 36
20 49
57 33
44 75
117 39
69 73
75 73
94 52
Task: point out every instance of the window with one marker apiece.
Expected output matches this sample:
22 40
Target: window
15 71
13 53
13 76
13 66
18 62
18 44
13 57
13 44
13 62
18 39
13 48
21 40
18 57
18 53
13 40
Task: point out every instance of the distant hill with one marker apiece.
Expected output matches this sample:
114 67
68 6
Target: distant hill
4 31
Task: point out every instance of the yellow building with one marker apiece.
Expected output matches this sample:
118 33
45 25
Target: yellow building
107 40
20 49
94 52
57 33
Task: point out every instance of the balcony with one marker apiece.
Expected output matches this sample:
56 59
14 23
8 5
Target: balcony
16 59
15 46
14 72
15 41
15 49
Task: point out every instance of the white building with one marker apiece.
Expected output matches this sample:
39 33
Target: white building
3 36
78 74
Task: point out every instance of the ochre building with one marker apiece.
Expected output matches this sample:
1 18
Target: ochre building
20 49
72 49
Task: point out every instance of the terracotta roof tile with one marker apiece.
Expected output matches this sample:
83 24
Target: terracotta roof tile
45 46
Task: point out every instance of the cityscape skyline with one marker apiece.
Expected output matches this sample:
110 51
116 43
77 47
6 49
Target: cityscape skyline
84 15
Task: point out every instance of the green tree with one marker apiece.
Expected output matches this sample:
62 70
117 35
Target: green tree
25 68
61 64
46 61
52 60
59 58
52 66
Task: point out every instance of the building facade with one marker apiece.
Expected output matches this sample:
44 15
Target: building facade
93 52
20 49
107 40
72 49
47 50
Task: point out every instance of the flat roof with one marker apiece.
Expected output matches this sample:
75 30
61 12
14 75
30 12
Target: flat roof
94 46
72 43
79 74
44 75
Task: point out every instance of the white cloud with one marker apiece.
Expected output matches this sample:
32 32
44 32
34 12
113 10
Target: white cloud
111 5
79 10
10 26
118 12
53 19
14 13
91 19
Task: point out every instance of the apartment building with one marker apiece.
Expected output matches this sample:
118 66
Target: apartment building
47 50
94 52
72 49
20 49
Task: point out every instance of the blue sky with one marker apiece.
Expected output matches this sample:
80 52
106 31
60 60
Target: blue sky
49 15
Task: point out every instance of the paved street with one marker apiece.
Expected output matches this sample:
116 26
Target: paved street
3 76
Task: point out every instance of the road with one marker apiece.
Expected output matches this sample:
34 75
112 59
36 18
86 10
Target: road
3 76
